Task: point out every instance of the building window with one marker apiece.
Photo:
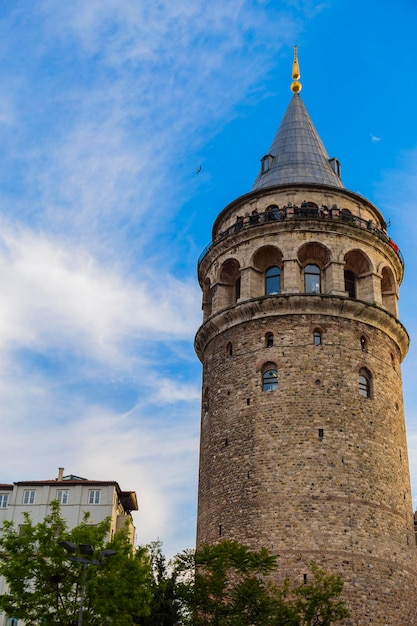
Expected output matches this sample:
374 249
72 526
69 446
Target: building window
266 163
272 280
11 621
62 496
269 340
94 496
364 383
4 500
270 380
312 279
317 338
229 349
364 344
29 496
350 283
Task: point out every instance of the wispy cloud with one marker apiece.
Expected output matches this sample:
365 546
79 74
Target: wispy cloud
104 108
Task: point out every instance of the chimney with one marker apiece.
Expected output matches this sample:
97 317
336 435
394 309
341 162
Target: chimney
60 473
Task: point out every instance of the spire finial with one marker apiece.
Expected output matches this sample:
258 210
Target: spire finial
295 85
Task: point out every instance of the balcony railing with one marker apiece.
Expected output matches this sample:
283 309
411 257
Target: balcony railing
275 214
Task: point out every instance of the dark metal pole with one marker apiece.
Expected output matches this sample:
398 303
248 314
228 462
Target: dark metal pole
80 614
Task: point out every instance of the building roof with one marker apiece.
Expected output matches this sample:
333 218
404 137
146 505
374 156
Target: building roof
298 154
128 499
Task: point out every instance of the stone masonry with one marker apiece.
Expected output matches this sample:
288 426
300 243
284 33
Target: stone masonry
313 469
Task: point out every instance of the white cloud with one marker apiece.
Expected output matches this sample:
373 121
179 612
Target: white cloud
104 110
55 296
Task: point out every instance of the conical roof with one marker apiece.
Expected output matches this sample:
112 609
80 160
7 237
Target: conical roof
298 154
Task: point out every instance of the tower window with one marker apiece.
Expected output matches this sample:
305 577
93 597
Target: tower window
272 280
364 383
350 283
364 344
266 163
269 340
317 338
229 349
312 279
270 380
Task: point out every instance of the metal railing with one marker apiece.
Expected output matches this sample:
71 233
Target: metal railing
275 214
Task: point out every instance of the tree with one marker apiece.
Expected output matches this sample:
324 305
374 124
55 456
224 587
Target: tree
318 602
165 608
44 584
227 584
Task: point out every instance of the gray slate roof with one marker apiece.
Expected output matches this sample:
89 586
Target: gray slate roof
299 154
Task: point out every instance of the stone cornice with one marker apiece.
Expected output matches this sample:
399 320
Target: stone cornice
302 304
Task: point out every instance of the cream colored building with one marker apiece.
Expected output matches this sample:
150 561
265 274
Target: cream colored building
77 496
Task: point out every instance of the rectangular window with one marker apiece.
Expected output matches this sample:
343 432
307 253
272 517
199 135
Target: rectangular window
11 621
29 496
94 496
62 496
4 500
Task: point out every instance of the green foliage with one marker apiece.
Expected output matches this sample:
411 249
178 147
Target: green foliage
228 584
225 584
44 586
165 609
318 602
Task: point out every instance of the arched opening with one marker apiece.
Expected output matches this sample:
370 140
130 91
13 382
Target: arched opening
317 337
314 259
358 276
229 349
269 340
266 271
365 383
229 283
388 291
270 378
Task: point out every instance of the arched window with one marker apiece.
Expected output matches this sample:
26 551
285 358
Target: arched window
270 380
365 383
272 280
350 283
229 349
269 340
312 279
317 337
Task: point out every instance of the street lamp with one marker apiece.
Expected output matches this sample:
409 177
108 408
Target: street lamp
86 550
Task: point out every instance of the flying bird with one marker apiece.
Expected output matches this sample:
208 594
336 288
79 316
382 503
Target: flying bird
198 170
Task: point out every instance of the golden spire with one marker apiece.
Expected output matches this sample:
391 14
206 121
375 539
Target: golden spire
295 85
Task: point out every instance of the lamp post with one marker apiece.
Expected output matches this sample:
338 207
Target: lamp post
85 550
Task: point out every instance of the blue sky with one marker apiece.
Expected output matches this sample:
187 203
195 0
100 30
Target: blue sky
107 109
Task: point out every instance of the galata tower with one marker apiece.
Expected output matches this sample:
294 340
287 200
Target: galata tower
303 445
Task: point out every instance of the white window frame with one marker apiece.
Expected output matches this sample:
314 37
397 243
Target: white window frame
4 500
29 496
62 495
94 496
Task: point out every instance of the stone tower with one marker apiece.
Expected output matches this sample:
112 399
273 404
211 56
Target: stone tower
303 445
